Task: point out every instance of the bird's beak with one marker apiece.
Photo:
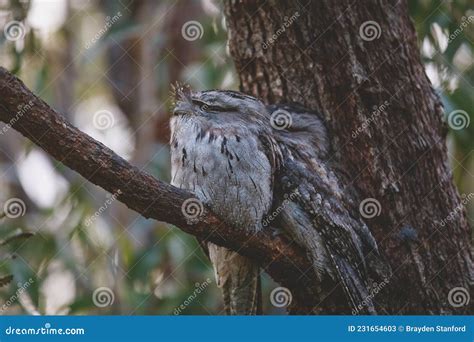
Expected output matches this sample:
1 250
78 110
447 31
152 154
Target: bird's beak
183 108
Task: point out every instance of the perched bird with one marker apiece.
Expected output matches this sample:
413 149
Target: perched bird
246 160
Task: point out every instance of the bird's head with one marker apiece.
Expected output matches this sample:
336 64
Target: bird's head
217 105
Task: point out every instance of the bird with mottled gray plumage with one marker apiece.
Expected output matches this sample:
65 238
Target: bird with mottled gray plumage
245 163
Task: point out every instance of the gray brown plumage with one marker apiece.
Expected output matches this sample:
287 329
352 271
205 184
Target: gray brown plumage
218 152
226 149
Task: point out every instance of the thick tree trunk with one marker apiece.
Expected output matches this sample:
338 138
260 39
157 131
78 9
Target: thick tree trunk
323 55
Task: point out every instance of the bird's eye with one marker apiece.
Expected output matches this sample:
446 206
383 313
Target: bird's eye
202 105
208 107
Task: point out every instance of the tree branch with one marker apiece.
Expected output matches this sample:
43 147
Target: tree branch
137 189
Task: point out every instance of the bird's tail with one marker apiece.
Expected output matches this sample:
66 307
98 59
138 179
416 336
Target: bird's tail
239 279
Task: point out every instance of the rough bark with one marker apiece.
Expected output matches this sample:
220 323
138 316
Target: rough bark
32 117
320 60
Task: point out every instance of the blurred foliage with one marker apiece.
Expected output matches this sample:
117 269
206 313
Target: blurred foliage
446 34
150 267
